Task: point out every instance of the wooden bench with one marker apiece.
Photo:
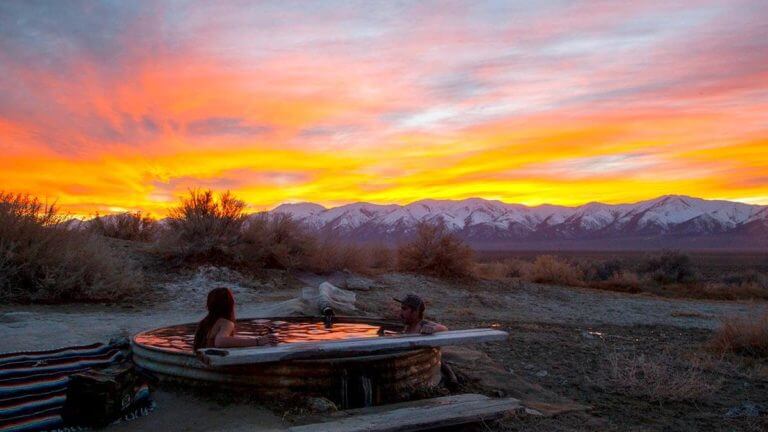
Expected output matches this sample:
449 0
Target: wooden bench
347 347
418 415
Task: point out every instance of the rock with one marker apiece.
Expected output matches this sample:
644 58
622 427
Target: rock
746 409
541 373
587 335
320 405
533 412
357 283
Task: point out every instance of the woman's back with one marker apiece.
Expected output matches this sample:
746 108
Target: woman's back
221 326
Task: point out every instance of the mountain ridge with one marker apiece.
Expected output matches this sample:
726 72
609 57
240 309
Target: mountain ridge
664 221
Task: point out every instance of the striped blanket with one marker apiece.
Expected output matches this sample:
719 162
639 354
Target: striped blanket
33 385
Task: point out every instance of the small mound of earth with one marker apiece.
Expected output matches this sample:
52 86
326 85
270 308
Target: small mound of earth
341 279
190 292
478 373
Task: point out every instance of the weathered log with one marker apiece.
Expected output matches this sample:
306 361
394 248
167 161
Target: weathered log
418 415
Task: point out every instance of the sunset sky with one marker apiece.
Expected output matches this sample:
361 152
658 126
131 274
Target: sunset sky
114 106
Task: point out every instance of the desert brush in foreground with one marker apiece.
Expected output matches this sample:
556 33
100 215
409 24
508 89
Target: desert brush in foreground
42 261
659 378
746 335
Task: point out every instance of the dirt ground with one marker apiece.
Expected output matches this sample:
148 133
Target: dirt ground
561 339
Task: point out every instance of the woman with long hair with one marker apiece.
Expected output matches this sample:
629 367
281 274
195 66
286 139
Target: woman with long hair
217 329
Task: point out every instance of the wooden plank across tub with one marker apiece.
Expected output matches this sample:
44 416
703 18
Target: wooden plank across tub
418 415
346 347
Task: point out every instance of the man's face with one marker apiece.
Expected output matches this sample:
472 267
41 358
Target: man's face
408 314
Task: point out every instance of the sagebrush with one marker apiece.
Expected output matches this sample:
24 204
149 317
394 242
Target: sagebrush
204 227
745 335
43 261
435 251
658 378
134 226
669 267
554 270
274 241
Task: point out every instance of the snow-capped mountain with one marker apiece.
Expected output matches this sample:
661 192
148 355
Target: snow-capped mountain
669 218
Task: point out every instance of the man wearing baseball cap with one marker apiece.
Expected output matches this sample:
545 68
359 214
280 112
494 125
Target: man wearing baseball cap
412 313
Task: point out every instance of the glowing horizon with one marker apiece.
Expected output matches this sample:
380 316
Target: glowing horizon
122 107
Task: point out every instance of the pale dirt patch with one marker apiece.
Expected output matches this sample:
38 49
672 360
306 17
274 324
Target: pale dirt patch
521 301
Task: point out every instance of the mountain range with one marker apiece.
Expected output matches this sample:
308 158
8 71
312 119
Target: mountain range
670 221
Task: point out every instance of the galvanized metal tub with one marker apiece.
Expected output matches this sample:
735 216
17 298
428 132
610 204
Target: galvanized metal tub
348 381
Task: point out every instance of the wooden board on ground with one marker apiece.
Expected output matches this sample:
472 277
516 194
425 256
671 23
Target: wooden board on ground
419 415
347 347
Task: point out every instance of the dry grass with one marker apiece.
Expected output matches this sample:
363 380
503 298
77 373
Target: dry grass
624 281
659 378
597 271
746 335
333 255
669 274
203 227
126 226
42 261
274 241
554 270
490 271
435 251
723 291
748 284
381 258
669 267
498 270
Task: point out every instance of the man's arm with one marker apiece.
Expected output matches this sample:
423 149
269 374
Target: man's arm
432 327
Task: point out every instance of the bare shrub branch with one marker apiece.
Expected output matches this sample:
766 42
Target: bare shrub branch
42 261
125 226
747 335
551 269
436 251
669 267
203 227
659 378
274 241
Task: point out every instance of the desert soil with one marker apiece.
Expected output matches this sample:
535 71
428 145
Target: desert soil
560 339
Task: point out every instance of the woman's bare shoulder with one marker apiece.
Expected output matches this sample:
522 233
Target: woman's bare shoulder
223 324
